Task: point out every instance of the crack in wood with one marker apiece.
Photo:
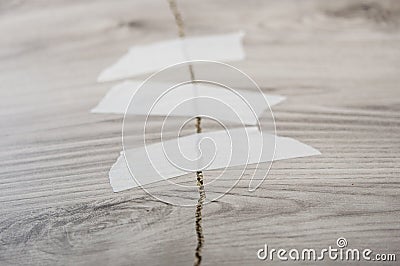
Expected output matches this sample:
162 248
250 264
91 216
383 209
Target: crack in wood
199 174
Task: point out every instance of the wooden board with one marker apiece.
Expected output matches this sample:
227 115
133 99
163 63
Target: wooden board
338 63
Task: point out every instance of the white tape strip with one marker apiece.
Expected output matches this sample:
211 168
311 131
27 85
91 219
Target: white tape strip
153 57
117 99
147 172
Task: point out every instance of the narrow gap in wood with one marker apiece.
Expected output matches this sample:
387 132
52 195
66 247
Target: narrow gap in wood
199 174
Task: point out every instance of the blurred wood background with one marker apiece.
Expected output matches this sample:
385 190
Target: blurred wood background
338 63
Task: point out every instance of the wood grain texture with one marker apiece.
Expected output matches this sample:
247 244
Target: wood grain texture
338 63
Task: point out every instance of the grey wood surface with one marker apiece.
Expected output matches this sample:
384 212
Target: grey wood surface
338 63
